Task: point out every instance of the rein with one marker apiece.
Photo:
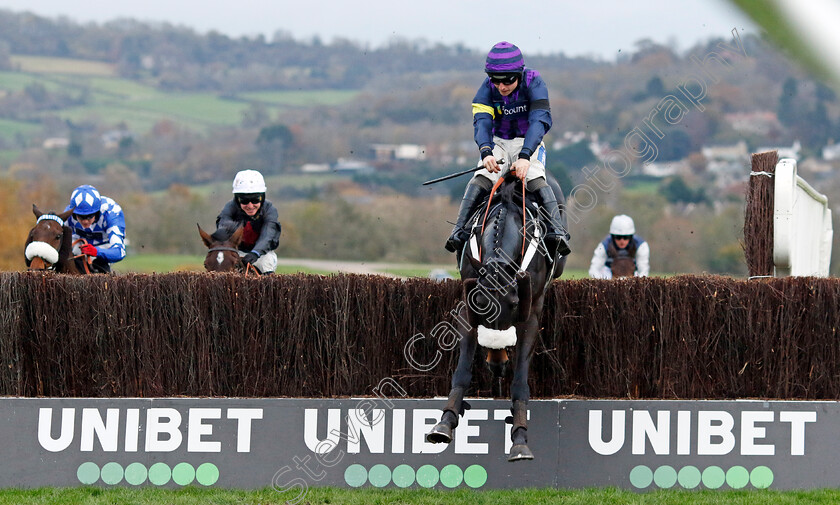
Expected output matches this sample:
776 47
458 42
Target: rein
88 259
487 211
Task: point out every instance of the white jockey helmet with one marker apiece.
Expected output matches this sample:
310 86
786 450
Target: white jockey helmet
622 225
248 181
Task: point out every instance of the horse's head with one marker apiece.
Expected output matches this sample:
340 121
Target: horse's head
623 266
222 254
504 282
49 242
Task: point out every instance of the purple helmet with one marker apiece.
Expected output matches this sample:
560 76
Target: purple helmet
504 58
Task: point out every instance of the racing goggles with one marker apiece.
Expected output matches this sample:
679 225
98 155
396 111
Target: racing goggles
83 217
246 199
503 78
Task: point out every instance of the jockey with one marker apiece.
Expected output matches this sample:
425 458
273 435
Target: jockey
250 210
510 117
98 220
622 241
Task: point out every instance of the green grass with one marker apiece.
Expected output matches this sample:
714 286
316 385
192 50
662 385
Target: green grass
370 496
162 263
159 263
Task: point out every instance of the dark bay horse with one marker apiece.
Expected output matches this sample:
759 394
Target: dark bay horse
49 246
506 270
223 255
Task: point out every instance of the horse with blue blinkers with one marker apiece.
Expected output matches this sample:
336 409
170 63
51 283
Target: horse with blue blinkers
49 245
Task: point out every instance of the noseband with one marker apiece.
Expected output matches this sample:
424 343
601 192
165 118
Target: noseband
38 245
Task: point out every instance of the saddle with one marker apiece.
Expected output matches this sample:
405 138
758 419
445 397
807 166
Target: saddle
535 244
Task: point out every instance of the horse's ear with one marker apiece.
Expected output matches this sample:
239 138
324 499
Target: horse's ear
525 293
236 238
205 237
36 211
64 215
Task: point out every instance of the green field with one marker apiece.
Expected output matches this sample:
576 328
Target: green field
369 496
113 100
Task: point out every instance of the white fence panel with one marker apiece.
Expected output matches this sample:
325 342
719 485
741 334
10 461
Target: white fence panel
802 230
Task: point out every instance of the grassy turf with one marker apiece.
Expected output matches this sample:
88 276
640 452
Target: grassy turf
162 263
370 496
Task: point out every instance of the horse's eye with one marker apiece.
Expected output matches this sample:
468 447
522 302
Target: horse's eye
58 237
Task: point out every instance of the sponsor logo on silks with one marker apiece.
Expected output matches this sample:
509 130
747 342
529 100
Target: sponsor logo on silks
541 154
517 109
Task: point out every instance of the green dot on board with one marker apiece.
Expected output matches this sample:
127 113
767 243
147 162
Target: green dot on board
355 475
641 476
475 476
427 476
403 476
689 477
761 477
159 474
207 474
379 475
451 476
665 476
135 474
112 473
88 473
713 477
183 474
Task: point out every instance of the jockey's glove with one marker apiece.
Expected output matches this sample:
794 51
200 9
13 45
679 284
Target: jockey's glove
89 250
251 257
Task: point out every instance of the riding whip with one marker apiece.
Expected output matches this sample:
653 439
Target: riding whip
458 174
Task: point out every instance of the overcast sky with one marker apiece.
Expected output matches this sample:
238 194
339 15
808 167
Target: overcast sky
599 28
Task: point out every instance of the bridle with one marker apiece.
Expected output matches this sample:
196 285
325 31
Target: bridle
248 267
57 219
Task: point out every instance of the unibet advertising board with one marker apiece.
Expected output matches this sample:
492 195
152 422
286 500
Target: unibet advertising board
301 443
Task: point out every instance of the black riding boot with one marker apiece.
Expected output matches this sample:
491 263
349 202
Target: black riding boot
473 195
556 238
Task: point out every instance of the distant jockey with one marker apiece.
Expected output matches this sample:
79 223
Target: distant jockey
100 222
511 115
257 216
622 241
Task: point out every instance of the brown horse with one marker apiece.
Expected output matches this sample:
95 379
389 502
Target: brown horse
49 246
623 266
223 255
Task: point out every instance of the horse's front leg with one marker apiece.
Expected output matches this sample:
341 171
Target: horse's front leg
520 392
442 431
